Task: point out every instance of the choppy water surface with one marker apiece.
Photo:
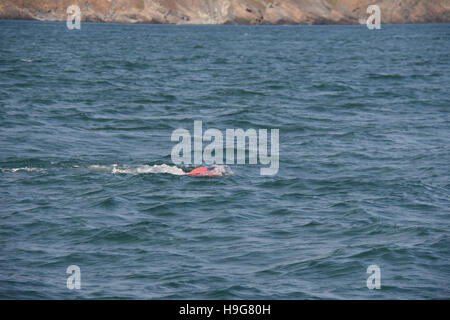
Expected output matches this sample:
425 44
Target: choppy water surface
86 176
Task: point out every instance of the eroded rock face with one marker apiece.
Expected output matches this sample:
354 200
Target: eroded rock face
230 11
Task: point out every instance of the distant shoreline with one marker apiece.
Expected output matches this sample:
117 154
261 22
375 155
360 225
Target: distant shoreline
224 24
230 12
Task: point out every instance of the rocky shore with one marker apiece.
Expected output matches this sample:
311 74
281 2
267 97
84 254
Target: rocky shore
229 11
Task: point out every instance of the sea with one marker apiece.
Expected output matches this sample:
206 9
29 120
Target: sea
92 205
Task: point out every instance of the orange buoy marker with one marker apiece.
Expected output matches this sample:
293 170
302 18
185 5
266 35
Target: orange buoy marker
201 172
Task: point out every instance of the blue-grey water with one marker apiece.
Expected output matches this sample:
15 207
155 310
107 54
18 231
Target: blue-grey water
86 118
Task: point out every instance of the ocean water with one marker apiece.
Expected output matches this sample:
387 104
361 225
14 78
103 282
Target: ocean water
87 179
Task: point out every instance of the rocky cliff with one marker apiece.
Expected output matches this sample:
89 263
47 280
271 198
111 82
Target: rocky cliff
229 11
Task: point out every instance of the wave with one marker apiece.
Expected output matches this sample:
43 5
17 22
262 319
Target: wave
217 170
140 169
28 169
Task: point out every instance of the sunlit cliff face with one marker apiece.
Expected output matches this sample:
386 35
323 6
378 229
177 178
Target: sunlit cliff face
229 11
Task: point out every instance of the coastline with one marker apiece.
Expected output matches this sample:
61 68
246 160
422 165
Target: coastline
229 12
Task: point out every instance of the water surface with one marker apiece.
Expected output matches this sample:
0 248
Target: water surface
86 115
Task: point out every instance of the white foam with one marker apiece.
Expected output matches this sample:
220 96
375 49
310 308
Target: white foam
217 170
28 169
140 169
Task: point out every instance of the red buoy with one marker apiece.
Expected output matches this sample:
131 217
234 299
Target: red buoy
201 172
